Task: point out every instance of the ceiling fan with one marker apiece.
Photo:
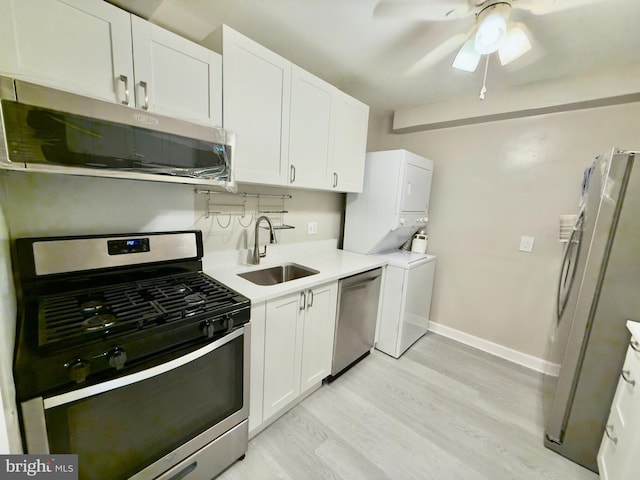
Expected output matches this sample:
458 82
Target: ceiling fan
492 31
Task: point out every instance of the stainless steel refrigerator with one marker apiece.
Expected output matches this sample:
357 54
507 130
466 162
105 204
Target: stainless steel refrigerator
599 289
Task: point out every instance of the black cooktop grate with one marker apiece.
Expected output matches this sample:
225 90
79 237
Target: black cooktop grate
81 315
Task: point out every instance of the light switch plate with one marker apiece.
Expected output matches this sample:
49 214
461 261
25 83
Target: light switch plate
526 244
312 228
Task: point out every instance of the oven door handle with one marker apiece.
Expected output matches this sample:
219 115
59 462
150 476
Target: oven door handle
76 395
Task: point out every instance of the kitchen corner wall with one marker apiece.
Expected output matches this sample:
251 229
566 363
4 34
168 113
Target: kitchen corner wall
9 430
493 183
50 205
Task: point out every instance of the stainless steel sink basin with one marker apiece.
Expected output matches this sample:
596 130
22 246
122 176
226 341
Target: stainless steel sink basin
278 274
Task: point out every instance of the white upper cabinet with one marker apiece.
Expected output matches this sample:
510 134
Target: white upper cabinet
309 131
257 91
349 123
174 76
293 128
90 47
81 46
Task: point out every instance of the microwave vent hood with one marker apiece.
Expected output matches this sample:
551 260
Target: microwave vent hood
48 130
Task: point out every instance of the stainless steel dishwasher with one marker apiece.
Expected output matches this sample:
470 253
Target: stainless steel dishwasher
358 299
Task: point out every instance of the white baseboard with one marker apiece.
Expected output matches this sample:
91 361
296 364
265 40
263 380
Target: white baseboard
524 359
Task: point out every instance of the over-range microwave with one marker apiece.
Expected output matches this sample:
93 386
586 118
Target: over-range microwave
49 130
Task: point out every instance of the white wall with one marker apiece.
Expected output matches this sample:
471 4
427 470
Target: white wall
9 430
494 182
228 231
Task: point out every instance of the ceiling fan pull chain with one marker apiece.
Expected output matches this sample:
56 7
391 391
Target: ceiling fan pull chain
484 80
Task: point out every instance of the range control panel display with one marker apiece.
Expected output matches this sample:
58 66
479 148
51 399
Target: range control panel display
128 245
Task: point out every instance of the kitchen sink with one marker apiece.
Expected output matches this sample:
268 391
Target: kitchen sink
278 274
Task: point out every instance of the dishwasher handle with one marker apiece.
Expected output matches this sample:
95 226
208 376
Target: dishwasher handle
360 280
361 284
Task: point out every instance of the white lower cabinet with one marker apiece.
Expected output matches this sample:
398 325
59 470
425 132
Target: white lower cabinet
621 439
292 345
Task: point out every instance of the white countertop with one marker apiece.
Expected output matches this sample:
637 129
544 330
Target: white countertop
331 263
634 328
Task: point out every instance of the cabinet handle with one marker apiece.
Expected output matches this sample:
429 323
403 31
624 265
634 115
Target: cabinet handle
310 299
610 435
635 345
626 376
292 175
302 303
335 179
124 79
145 88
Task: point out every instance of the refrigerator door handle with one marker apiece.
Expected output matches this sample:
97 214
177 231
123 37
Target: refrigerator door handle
567 273
626 376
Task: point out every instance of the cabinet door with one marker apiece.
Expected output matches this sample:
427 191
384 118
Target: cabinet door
319 328
282 352
309 131
256 98
622 438
174 76
350 120
82 46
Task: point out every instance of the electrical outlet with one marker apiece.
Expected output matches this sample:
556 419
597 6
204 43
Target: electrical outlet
312 228
526 244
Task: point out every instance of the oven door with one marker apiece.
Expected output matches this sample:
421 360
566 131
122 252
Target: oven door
149 421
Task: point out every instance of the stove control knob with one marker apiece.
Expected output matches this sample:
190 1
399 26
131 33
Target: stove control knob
117 358
78 370
208 328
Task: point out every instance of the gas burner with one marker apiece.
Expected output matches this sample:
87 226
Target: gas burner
181 288
99 322
92 306
195 299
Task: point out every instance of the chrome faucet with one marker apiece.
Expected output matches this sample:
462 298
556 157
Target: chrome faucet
257 255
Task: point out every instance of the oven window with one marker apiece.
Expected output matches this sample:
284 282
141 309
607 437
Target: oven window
120 432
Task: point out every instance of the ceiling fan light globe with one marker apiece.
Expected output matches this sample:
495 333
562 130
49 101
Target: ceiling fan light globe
515 45
491 33
467 58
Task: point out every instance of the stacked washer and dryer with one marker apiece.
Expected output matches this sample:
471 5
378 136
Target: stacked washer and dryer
391 209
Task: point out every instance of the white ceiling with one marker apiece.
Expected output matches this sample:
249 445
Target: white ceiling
371 57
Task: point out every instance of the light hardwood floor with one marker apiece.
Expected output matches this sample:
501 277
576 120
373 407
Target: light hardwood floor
443 411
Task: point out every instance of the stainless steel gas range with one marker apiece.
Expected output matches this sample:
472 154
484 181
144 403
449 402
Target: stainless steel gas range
130 356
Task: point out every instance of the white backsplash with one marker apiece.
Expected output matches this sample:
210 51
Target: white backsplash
230 230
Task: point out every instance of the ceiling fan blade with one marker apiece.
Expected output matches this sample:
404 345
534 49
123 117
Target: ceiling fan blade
438 53
467 58
542 7
433 11
515 45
